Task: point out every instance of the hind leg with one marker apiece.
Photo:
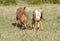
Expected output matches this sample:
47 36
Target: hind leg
24 26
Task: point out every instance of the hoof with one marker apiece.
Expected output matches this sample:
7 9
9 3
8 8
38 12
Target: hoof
23 28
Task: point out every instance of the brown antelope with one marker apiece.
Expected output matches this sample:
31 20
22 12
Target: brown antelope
21 16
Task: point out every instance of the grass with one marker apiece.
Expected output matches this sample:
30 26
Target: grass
51 24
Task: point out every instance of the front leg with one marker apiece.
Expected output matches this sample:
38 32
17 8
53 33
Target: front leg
33 25
38 25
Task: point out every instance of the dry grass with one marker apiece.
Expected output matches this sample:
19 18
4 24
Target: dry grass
51 24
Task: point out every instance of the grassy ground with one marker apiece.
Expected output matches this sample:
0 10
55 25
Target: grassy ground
51 24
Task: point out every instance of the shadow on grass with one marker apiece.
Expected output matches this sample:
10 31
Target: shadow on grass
19 26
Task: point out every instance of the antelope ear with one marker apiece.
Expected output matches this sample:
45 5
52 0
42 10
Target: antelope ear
24 8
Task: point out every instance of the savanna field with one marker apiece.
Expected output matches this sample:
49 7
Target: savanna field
49 28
